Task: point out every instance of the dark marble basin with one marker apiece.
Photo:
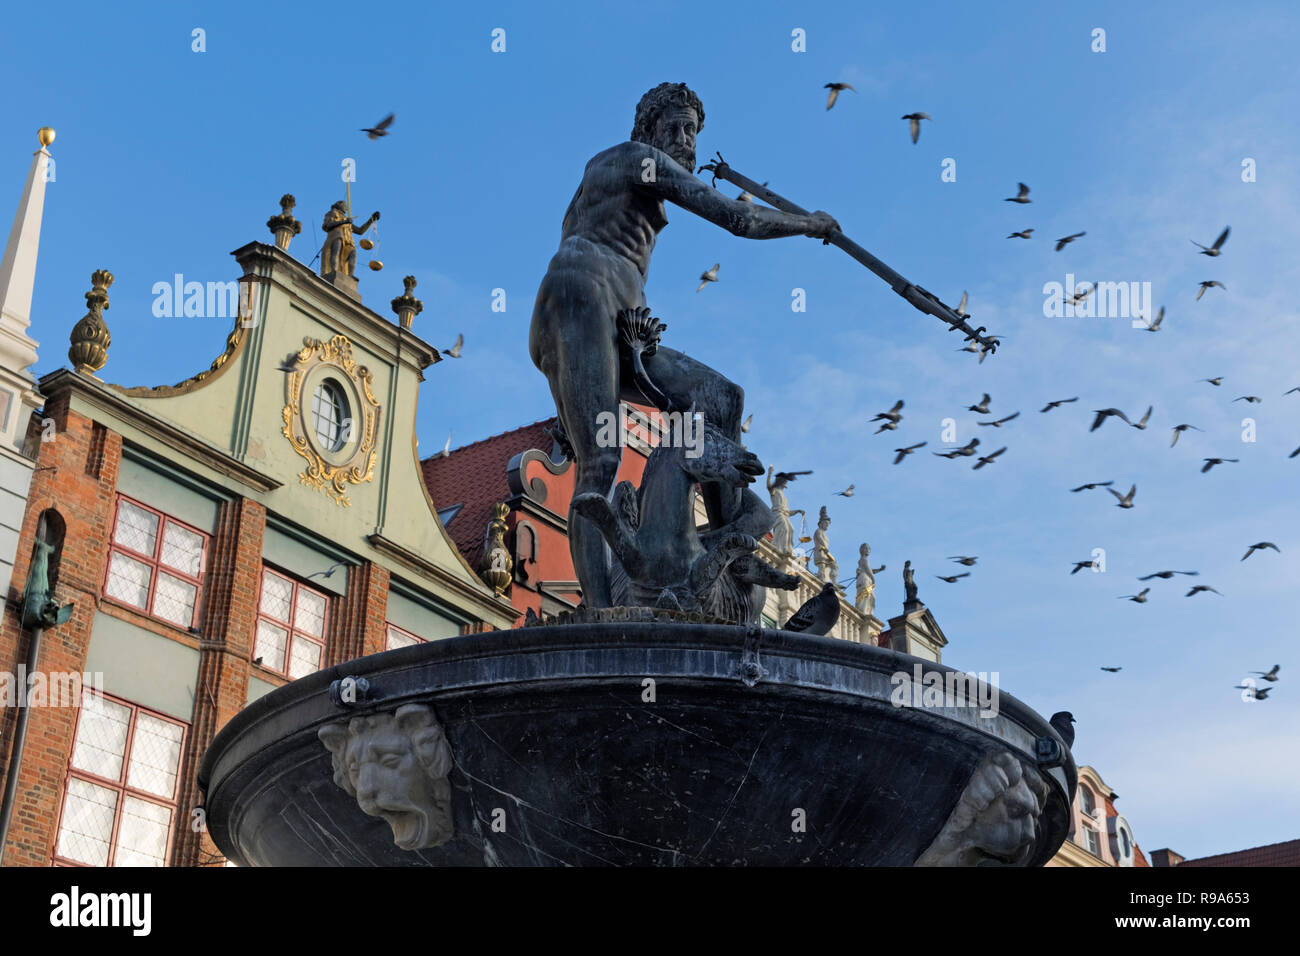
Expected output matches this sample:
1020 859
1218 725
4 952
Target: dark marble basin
759 748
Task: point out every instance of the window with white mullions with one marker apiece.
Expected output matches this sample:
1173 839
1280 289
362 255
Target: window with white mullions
119 802
291 623
156 563
330 411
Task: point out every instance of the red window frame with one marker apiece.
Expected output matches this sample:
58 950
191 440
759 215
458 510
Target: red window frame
293 632
120 786
154 561
390 627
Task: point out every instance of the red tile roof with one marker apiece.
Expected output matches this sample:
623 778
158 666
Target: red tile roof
475 476
1274 854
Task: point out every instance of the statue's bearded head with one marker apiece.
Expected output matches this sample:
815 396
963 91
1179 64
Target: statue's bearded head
669 117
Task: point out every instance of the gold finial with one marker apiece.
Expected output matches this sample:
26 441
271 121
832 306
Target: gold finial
46 135
406 305
90 338
497 567
284 227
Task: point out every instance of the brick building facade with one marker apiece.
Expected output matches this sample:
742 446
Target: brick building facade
216 539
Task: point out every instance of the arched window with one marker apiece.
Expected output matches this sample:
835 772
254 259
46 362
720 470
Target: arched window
1087 803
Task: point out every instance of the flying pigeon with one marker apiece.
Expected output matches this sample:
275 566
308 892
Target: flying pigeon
1125 501
454 351
1201 587
1260 546
987 459
1139 598
788 476
380 129
1058 403
1113 670
952 579
1166 575
1023 233
1179 429
904 452
964 560
1271 674
964 452
744 426
1080 565
1001 421
1155 326
710 276
1105 413
1020 197
1211 462
914 126
846 493
1062 243
328 572
1253 399
1216 381
1142 424
894 415
1217 248
1093 484
1212 283
835 92
983 407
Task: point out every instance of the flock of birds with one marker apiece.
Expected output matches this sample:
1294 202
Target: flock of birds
888 421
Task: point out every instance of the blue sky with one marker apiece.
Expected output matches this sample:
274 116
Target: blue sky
168 159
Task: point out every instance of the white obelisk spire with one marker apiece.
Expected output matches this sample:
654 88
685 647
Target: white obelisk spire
18 394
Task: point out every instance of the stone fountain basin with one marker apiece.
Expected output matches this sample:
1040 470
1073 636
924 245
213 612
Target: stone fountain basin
558 759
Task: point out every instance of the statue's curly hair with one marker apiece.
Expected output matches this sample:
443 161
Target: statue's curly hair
662 97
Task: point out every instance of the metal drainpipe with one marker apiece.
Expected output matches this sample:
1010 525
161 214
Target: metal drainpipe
14 766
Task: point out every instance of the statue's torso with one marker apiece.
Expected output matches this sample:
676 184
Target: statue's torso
610 211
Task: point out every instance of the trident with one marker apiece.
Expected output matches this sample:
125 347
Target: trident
920 298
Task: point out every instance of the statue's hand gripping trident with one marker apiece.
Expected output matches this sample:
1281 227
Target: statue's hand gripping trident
920 298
